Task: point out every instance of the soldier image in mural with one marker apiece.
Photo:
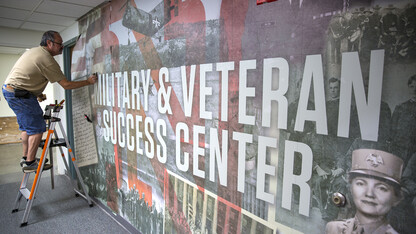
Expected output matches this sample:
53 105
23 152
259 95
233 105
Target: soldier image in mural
142 215
200 214
404 124
332 105
376 27
329 162
374 181
95 178
403 144
407 40
359 30
387 27
409 187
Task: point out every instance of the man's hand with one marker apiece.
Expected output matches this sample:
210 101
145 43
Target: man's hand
66 84
41 97
92 79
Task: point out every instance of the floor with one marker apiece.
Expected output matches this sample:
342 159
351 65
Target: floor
52 208
10 170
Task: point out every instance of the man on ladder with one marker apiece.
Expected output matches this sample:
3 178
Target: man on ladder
22 90
26 82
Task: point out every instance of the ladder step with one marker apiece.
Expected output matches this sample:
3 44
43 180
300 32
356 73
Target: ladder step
54 143
25 192
45 168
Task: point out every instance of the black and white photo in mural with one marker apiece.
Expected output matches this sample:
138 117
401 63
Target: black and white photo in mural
359 31
375 188
309 83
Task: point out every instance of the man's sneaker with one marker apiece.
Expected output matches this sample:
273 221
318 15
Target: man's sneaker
23 161
34 166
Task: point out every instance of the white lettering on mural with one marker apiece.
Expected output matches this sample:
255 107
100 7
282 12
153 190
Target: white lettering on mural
139 135
242 139
161 150
118 78
221 157
312 74
264 169
126 123
188 92
182 128
148 142
351 78
198 151
129 125
164 94
135 95
290 179
245 92
270 95
204 91
224 68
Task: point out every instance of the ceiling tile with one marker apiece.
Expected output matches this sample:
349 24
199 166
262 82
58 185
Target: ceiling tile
20 4
51 19
90 3
10 13
10 23
63 9
42 27
42 15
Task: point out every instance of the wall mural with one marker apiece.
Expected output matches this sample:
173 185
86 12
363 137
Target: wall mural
231 117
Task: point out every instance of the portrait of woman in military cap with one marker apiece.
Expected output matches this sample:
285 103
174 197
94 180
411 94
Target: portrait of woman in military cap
374 181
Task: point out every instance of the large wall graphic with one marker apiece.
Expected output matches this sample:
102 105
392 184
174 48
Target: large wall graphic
224 116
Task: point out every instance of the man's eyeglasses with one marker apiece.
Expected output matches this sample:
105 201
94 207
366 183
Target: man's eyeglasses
57 43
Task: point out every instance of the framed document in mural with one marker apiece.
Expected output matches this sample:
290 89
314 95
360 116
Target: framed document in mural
85 144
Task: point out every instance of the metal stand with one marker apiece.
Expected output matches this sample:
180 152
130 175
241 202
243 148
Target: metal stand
51 113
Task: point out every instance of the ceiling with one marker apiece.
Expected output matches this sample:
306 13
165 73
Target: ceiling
42 15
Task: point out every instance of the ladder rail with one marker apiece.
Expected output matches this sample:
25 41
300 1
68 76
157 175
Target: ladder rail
19 193
38 175
41 163
71 153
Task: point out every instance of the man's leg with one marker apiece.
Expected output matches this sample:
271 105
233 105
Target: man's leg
25 143
33 144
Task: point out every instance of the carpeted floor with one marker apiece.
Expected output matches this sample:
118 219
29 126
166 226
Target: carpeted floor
54 211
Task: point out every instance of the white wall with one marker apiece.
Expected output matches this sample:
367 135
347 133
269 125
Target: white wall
67 34
59 92
6 63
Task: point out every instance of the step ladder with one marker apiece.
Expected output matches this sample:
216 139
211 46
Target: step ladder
51 115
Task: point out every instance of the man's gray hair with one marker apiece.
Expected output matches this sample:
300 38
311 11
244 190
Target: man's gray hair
49 35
